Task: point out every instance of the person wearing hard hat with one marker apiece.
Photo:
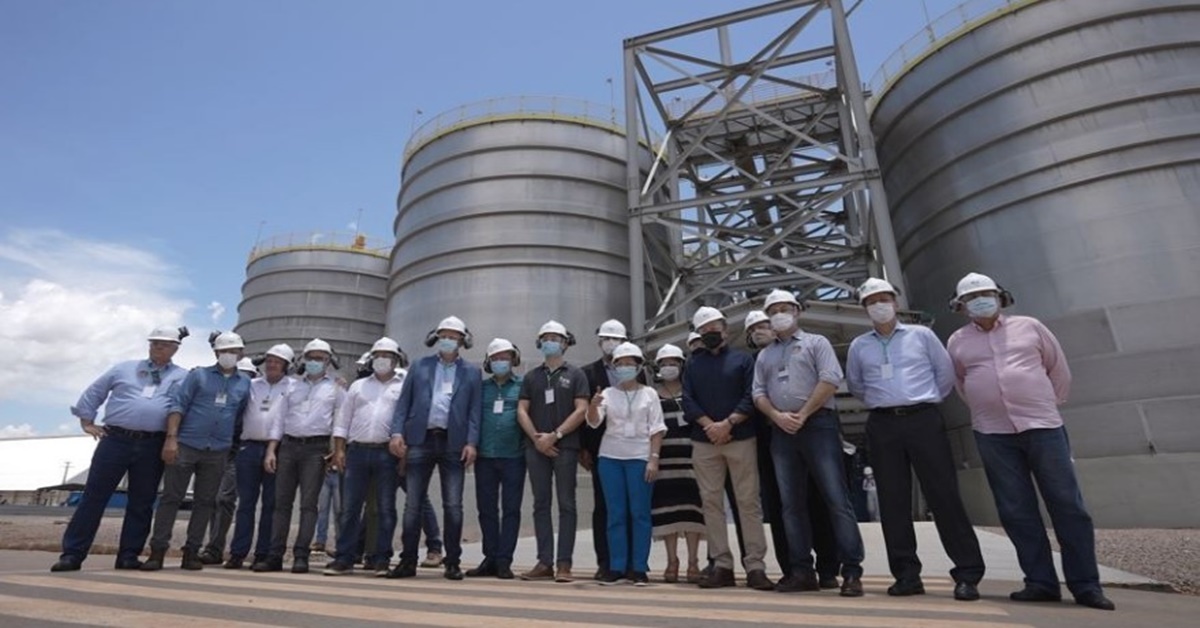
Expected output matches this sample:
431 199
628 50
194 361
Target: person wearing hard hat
675 506
266 397
795 379
436 425
1013 375
136 398
600 374
205 409
901 373
554 400
717 404
693 342
628 463
500 468
758 330
297 453
362 430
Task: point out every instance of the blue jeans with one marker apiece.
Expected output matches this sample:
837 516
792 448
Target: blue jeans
329 502
627 498
420 462
816 451
114 457
499 516
364 464
252 481
1013 462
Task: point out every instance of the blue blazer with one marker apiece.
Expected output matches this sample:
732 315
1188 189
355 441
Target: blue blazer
411 417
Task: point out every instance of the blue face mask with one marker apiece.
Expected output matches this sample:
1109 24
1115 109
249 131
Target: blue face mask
983 307
626 373
447 345
551 347
501 367
314 367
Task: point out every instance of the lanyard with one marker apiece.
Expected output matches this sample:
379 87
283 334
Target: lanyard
884 343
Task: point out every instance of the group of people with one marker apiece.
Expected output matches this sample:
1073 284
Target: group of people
666 440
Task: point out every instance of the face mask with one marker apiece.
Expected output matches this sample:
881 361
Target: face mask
447 346
762 337
983 307
314 367
608 344
382 365
501 367
626 373
551 347
669 373
712 339
881 312
782 321
227 360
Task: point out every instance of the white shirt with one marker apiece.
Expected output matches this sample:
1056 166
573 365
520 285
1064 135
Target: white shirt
633 417
365 415
265 401
308 408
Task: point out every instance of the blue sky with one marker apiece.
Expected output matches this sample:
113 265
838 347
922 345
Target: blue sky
143 145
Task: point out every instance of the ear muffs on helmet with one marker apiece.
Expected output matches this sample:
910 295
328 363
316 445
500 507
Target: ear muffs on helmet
487 361
1006 299
402 360
431 338
569 343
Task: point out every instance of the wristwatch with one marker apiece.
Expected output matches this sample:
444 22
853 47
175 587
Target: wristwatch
558 434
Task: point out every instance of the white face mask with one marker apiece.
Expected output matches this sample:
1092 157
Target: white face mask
227 360
608 344
983 307
881 312
762 337
782 321
669 373
382 365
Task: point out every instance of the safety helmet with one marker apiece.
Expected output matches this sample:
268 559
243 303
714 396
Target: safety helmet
974 282
387 345
667 352
706 315
167 334
780 296
500 345
452 323
553 327
247 365
228 340
363 360
283 352
316 344
692 337
628 350
873 286
755 317
612 328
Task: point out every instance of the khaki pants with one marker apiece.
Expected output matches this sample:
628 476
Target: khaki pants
710 463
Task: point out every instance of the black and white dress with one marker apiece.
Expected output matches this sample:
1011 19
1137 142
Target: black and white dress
675 503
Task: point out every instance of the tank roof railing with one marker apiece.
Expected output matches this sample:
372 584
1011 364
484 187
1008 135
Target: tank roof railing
763 93
345 241
937 34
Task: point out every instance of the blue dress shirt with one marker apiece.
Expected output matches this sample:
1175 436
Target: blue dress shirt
919 367
136 395
210 403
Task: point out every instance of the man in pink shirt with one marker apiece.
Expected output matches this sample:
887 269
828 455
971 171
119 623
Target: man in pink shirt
1013 374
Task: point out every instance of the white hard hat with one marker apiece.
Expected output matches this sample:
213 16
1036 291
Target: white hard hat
706 315
283 352
780 296
386 344
165 333
228 340
499 345
452 323
363 359
246 364
755 317
553 327
317 345
612 328
627 350
974 282
874 286
667 352
692 337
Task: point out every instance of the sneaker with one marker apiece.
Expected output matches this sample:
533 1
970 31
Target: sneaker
380 569
640 579
432 560
610 578
317 546
338 568
540 571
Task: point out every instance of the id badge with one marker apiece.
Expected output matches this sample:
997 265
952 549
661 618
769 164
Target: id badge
782 375
447 387
221 399
148 391
498 406
549 396
885 371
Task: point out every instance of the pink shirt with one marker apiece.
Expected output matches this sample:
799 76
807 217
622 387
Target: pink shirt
1013 377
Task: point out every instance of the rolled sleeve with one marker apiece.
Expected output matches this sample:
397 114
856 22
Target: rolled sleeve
341 418
759 387
657 424
88 405
828 368
181 396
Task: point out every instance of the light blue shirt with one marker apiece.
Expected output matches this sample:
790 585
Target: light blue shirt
135 396
920 368
210 403
443 391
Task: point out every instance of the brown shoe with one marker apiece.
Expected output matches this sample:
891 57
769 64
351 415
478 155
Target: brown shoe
564 573
693 572
720 577
757 579
851 587
540 571
671 573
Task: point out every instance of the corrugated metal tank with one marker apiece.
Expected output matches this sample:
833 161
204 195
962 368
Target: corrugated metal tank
508 218
1056 146
324 286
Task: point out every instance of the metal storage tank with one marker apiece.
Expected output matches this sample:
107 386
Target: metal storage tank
512 212
1055 145
329 286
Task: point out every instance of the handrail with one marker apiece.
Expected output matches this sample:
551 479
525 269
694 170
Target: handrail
351 242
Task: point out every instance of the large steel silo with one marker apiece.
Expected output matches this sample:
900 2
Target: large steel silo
511 213
1055 145
325 286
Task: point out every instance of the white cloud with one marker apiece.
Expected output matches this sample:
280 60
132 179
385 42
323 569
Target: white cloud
23 430
216 311
71 307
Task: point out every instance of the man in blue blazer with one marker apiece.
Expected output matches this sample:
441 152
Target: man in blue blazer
436 424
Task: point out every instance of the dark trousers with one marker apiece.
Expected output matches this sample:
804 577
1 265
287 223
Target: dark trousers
252 482
298 466
553 479
218 528
771 505
207 466
900 446
368 467
420 462
114 457
499 491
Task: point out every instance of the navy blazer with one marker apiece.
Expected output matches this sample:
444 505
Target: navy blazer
411 418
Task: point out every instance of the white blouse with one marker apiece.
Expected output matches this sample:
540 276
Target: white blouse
633 417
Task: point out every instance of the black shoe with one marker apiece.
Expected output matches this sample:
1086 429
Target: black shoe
611 577
797 584
1031 594
339 568
155 562
641 579
299 564
66 564
1095 599
403 570
505 573
453 572
907 587
483 569
828 582
718 578
131 564
191 560
210 557
379 569
851 587
267 564
234 562
757 579
966 592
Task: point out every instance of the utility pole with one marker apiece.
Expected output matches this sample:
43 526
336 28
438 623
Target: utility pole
66 470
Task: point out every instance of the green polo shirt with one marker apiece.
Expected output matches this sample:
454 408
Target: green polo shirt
500 435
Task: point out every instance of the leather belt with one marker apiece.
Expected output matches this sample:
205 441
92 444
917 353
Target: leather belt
305 440
904 410
137 434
